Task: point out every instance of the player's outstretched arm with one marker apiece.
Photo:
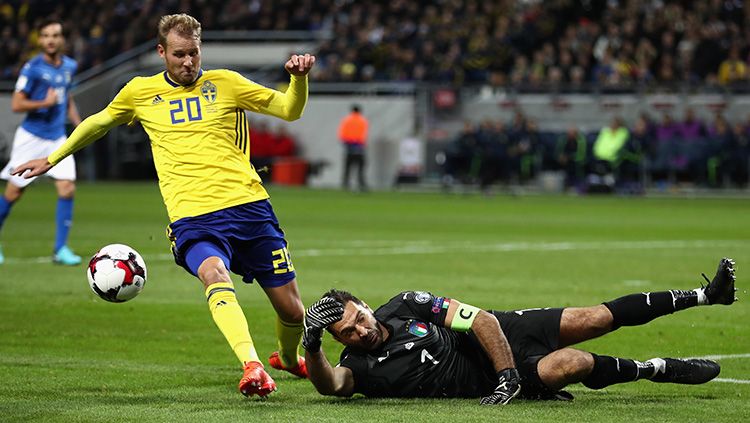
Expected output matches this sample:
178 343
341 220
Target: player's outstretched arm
289 105
90 130
463 317
327 380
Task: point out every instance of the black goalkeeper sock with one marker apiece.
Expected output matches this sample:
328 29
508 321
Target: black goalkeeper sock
637 309
611 370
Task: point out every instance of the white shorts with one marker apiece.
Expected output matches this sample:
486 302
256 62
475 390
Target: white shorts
27 146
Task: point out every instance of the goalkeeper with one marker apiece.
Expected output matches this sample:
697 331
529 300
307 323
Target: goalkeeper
420 345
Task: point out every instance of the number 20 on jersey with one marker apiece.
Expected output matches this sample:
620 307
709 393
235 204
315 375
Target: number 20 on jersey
185 110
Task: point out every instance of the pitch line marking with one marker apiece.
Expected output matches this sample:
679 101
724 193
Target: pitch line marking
725 380
421 247
723 356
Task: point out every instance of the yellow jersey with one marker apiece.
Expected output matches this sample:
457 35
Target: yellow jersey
199 135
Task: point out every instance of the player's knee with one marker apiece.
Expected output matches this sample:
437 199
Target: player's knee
564 367
213 270
13 193
66 189
600 319
293 313
578 366
594 321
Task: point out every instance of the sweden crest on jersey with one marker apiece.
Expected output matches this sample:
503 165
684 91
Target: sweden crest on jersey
209 92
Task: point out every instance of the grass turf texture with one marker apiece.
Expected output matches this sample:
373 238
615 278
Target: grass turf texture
66 355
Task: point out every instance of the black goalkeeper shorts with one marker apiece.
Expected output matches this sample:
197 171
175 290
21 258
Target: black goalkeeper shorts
532 334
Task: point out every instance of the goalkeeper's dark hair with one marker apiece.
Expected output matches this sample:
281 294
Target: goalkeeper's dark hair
343 297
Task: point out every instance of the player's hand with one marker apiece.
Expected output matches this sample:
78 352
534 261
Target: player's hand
51 98
299 64
326 311
32 168
508 388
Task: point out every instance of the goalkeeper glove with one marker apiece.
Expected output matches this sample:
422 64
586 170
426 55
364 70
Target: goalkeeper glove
508 388
324 312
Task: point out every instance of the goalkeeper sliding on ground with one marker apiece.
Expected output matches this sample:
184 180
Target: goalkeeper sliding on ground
421 345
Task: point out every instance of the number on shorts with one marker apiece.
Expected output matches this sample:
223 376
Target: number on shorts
283 258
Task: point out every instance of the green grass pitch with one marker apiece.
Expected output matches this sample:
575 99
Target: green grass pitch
65 355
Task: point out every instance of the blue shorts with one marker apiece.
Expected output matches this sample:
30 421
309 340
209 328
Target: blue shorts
247 238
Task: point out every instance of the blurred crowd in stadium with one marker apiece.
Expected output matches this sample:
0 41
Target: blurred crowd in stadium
526 43
617 157
529 45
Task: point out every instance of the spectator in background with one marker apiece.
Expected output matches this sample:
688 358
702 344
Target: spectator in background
607 151
460 156
523 151
732 69
492 160
688 146
663 149
691 128
353 135
736 164
570 156
706 161
643 137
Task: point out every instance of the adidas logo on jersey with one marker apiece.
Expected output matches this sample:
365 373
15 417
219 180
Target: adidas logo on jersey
157 100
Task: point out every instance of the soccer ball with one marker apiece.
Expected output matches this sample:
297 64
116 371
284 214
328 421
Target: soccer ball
117 273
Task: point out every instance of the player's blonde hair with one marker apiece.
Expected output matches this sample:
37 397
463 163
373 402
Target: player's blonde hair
184 24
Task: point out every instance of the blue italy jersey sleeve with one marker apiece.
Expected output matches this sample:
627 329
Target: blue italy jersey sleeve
35 80
26 80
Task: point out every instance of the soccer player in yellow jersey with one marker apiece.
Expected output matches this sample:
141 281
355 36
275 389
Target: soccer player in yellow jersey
219 212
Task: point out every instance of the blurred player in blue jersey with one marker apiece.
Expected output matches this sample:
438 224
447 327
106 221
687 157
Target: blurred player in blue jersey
42 92
220 215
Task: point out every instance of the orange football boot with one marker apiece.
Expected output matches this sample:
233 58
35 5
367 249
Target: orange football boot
300 370
255 380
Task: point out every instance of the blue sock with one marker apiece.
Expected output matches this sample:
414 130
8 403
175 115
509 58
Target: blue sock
64 219
5 206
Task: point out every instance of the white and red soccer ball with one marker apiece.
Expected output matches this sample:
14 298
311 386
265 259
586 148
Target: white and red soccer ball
117 273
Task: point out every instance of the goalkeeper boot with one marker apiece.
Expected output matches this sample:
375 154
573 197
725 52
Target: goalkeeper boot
721 289
65 256
691 371
300 370
255 380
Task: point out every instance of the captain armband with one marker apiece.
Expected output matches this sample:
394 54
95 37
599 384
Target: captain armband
464 317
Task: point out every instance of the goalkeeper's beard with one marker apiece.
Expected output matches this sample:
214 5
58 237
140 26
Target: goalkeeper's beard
374 339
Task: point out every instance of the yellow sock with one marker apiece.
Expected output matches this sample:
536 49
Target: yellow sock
231 321
289 335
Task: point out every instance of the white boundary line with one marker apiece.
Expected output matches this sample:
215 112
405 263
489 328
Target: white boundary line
422 247
738 381
723 357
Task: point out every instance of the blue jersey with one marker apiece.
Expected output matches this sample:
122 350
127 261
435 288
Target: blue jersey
36 77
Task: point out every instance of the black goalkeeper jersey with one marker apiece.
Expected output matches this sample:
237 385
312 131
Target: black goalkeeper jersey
421 358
